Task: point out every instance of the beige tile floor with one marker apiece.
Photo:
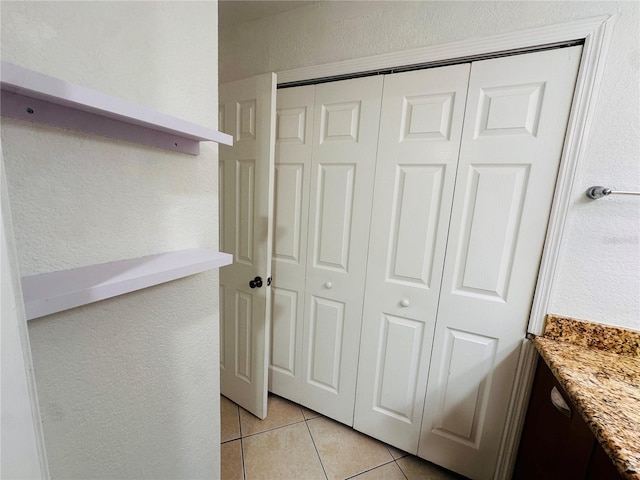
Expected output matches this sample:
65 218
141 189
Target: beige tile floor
294 443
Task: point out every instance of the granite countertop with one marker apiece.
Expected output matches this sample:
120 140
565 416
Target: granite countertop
599 368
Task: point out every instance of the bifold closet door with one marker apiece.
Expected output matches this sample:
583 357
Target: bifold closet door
513 134
345 132
294 141
325 162
422 114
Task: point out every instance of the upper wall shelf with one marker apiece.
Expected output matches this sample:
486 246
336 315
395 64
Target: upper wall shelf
57 291
36 97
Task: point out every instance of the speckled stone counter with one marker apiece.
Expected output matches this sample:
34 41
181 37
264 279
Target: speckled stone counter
599 368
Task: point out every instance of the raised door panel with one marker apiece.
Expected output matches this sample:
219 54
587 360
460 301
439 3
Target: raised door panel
396 367
342 176
246 185
294 143
242 325
222 206
326 330
514 129
284 333
463 377
422 116
333 215
413 228
492 215
223 326
288 212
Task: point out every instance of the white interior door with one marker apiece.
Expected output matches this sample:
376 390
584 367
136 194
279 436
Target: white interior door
347 115
514 128
420 129
247 111
294 143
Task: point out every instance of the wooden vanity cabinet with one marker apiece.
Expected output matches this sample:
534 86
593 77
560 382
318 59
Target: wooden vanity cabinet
556 443
601 466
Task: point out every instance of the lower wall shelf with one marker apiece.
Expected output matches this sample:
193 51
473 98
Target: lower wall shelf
57 291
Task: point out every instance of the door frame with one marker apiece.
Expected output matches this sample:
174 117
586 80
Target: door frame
20 407
595 33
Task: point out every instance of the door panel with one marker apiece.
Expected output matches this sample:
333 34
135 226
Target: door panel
334 208
247 109
223 326
514 129
245 190
283 333
242 323
326 327
346 125
493 207
294 143
468 360
416 206
422 115
397 366
288 212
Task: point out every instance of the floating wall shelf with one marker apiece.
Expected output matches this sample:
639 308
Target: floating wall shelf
36 97
57 291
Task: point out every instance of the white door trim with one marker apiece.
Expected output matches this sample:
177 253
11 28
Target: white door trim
23 452
584 29
596 34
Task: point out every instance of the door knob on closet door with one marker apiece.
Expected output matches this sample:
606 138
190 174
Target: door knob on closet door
328 285
405 302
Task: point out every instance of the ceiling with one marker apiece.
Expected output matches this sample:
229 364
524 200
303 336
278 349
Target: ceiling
234 12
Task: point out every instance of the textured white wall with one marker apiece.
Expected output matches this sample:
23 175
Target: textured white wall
128 387
598 276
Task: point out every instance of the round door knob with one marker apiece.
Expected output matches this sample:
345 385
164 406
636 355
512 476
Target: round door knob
328 285
404 302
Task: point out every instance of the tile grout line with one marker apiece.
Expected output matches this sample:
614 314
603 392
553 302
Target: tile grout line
272 429
401 470
244 470
306 422
229 441
395 460
370 469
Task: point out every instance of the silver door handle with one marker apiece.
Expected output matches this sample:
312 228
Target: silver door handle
559 403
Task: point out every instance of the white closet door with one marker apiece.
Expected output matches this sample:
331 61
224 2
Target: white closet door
294 140
247 111
517 112
422 114
347 115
